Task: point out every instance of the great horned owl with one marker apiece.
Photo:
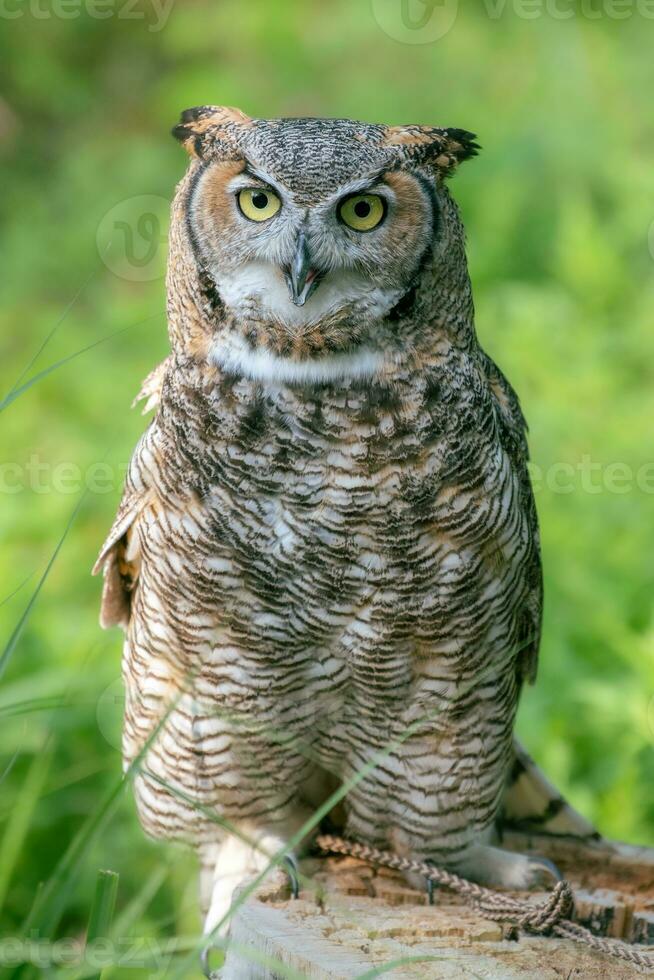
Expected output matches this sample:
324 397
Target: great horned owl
326 556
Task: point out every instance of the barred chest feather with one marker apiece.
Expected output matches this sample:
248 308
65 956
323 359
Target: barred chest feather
350 541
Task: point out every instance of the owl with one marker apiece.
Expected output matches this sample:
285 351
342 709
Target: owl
326 559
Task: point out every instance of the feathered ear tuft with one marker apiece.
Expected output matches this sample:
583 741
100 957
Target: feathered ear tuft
443 149
462 144
211 130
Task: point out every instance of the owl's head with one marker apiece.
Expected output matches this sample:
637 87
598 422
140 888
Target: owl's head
314 228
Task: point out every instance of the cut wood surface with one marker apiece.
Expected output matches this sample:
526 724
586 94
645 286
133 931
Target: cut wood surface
354 921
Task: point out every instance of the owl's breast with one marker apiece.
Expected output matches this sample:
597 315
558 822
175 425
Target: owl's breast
324 514
356 522
325 564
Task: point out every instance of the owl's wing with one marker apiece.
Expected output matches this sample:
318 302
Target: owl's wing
513 435
531 802
119 556
119 561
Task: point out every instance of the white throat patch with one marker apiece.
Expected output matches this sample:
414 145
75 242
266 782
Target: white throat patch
232 354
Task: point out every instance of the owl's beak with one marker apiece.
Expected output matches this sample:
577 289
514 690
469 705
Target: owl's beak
302 277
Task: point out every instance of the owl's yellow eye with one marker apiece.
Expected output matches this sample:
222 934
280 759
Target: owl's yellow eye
363 212
258 204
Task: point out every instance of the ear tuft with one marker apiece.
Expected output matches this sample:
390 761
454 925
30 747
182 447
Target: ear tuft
443 149
208 128
463 144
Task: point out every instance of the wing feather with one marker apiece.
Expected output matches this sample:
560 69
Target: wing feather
513 435
119 557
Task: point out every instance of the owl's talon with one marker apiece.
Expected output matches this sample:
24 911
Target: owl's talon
293 875
431 889
544 871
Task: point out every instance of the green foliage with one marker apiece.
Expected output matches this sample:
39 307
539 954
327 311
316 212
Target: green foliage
558 210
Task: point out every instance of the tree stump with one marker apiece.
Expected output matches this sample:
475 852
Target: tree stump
352 920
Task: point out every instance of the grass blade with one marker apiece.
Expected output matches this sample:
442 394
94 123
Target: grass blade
50 334
10 765
102 910
53 703
138 905
103 907
15 592
20 818
47 910
16 391
18 629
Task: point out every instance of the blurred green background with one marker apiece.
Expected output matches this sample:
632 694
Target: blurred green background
558 209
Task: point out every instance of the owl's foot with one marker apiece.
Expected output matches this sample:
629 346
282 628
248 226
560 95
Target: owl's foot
235 863
220 907
496 868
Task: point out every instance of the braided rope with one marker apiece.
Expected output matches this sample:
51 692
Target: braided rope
550 918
